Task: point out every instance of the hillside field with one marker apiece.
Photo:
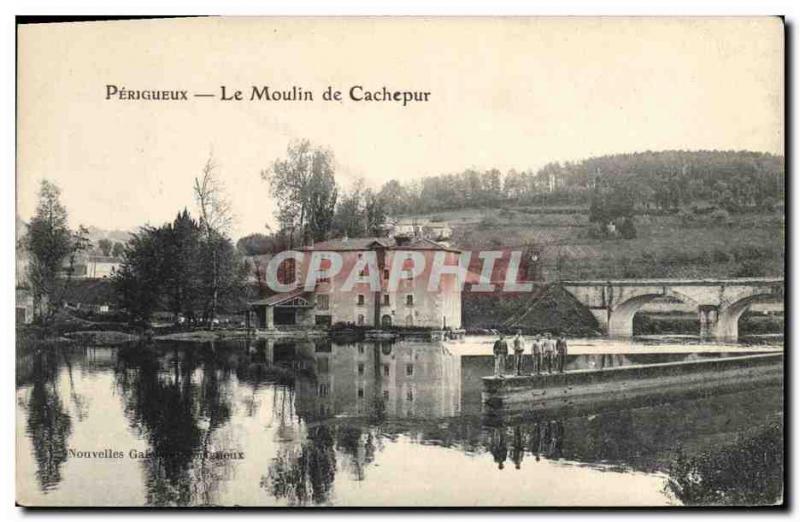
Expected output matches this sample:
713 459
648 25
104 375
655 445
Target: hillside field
743 245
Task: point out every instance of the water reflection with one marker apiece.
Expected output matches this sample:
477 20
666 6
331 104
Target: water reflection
338 424
49 425
304 474
539 439
745 473
176 400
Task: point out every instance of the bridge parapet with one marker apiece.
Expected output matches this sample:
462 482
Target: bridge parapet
720 302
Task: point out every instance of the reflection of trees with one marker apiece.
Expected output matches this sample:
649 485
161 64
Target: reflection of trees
49 424
178 415
359 446
78 400
747 472
304 475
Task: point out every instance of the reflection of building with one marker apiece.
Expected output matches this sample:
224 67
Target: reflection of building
403 379
405 300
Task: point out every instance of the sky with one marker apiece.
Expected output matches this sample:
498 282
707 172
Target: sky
504 93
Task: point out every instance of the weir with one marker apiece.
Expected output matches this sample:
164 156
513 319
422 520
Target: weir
621 383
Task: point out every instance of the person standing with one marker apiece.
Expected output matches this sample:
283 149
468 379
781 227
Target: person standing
561 350
519 350
536 353
549 349
500 353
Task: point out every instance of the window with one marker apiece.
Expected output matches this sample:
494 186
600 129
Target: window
386 395
323 302
323 365
410 300
385 370
361 393
385 299
409 395
323 390
360 319
361 368
361 349
409 369
324 264
361 299
386 273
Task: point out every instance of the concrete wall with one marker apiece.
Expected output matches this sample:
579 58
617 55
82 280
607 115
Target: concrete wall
619 382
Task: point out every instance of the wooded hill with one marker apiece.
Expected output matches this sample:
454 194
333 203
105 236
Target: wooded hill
737 181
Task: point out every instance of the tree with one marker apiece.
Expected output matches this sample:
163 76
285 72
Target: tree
375 213
256 245
50 243
118 250
395 197
175 267
322 194
627 229
216 218
221 277
304 188
138 281
349 217
105 246
181 270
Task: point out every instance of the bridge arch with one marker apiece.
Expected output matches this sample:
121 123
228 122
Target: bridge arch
620 321
727 324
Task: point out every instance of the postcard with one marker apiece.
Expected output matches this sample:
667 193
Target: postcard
400 262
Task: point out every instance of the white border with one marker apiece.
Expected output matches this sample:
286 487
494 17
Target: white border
787 8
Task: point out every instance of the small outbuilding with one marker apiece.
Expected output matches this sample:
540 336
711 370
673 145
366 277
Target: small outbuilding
295 308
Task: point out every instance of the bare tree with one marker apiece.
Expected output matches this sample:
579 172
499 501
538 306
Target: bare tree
216 218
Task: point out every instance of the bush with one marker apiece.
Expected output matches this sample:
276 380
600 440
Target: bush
686 216
721 216
626 229
720 256
751 268
748 252
489 221
597 231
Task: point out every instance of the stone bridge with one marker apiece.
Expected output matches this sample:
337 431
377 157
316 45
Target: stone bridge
719 302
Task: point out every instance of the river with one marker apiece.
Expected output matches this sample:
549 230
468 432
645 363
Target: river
257 423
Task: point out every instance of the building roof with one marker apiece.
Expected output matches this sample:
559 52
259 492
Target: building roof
280 298
103 259
372 243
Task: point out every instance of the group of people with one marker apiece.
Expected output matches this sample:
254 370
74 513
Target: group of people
548 354
543 438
